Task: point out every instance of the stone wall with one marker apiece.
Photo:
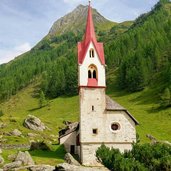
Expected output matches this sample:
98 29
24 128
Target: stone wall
69 140
101 120
13 146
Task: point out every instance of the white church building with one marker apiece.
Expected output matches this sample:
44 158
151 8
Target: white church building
102 120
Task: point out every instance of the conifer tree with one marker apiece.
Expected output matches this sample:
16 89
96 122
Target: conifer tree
166 98
42 100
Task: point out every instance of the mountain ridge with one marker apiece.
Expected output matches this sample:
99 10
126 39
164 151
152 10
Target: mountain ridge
59 51
76 20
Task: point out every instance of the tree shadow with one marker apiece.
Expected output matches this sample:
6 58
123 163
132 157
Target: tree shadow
59 153
157 109
34 109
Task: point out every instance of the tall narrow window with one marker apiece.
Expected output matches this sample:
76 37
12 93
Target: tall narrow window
89 74
92 108
91 53
94 74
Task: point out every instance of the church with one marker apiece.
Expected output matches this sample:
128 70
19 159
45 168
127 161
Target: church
102 120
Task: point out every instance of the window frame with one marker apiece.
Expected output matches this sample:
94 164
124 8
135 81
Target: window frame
119 127
91 53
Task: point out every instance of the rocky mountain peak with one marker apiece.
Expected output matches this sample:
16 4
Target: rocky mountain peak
75 21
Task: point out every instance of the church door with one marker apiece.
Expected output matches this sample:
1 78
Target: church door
72 149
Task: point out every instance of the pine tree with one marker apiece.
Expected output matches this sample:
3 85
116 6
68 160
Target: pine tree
166 98
42 99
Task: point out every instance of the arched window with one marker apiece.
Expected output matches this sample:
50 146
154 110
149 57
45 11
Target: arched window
89 74
91 53
94 74
92 71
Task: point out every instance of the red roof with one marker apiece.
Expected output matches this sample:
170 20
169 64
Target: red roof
89 37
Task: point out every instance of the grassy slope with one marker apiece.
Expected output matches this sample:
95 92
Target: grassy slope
58 110
156 123
144 106
141 105
152 121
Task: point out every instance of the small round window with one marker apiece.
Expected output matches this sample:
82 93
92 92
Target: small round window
115 126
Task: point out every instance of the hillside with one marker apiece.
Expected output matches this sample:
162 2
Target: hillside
76 22
143 53
55 49
153 122
141 50
137 54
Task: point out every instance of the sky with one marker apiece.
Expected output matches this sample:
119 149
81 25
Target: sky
23 23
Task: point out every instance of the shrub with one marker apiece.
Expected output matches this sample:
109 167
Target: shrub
140 158
114 160
39 146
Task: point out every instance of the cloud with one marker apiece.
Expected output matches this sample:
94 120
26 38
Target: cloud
30 20
8 55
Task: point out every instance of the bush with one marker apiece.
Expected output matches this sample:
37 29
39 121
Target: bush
39 146
114 160
141 158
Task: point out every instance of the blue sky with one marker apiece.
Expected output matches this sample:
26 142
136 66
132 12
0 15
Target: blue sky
23 23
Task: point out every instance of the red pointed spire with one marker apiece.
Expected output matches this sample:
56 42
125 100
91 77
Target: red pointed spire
90 33
89 37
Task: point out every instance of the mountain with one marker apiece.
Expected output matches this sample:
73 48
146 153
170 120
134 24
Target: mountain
141 51
138 56
56 50
76 21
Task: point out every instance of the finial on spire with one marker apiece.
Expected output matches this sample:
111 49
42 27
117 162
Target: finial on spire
89 2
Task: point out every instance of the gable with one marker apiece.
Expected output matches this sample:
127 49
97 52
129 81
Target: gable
83 50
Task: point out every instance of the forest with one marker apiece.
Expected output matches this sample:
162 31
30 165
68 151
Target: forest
141 55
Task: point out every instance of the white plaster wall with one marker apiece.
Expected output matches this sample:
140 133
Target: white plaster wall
83 69
69 140
101 119
90 97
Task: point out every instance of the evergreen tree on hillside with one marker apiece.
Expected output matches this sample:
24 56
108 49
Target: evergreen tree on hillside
42 100
164 1
142 49
140 53
166 98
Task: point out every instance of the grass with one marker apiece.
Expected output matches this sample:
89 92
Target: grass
144 106
53 157
152 121
19 106
141 105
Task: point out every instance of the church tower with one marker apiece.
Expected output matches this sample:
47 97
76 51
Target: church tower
102 120
92 84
